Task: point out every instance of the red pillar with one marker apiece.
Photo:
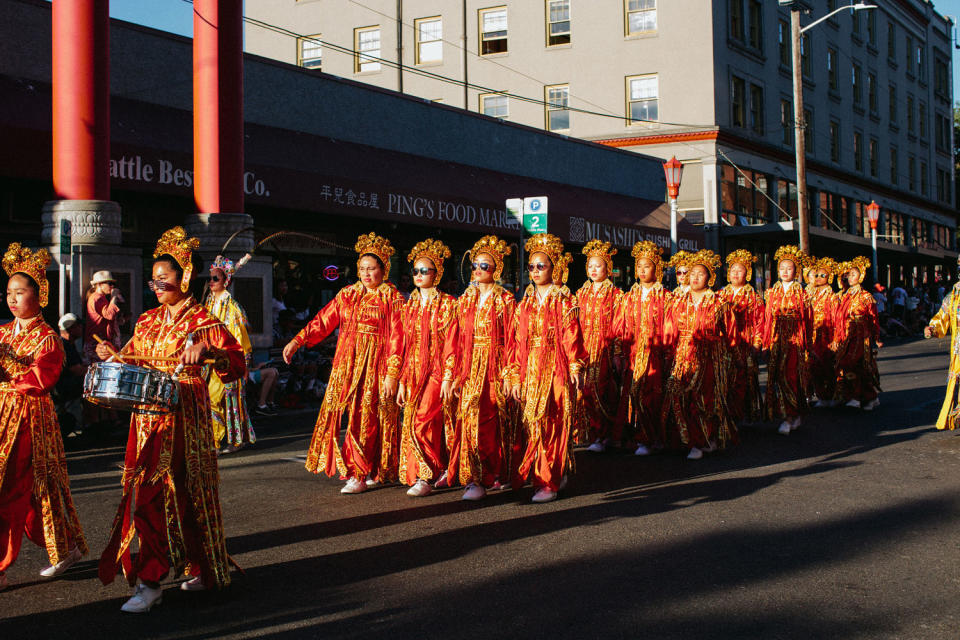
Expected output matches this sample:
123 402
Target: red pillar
81 99
218 105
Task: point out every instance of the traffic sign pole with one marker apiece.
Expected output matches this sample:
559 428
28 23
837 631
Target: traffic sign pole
65 251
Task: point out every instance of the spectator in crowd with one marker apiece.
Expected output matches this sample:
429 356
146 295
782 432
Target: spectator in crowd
69 389
279 293
303 366
881 298
103 307
898 299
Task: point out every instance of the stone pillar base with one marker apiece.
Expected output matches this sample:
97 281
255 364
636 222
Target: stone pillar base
90 222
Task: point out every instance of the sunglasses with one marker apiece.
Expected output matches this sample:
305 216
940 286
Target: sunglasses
160 285
538 266
217 278
482 266
421 271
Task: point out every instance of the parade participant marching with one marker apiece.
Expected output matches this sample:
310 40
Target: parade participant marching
34 487
695 403
598 300
475 355
545 369
231 418
855 339
427 317
681 267
946 321
787 338
171 495
745 334
363 380
640 325
823 306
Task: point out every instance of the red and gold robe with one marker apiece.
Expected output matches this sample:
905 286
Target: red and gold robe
369 348
745 335
475 356
171 485
547 349
695 404
595 412
857 328
786 333
34 486
823 308
640 325
426 421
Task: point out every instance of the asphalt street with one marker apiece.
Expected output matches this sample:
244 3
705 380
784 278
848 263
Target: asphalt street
847 528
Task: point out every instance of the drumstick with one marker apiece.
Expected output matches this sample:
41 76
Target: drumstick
114 353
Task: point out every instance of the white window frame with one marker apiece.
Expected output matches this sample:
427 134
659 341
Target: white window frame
552 106
484 97
361 59
483 38
420 42
630 100
311 43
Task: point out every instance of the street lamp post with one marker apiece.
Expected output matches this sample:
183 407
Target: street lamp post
796 6
673 170
873 214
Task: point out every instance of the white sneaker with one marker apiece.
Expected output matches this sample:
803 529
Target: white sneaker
785 427
443 482
544 495
144 599
695 454
854 403
55 570
795 422
474 492
642 450
370 482
420 489
193 584
873 404
597 447
354 486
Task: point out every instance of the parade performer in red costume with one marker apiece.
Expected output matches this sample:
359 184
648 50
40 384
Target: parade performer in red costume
857 329
787 338
823 307
595 413
363 380
695 403
34 486
171 497
640 325
545 369
681 268
744 400
475 355
427 317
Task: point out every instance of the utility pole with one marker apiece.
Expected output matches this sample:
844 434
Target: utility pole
799 130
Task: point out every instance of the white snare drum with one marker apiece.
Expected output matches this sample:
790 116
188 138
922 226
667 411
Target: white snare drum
131 388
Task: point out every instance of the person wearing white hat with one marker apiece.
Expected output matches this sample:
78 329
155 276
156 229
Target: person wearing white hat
103 300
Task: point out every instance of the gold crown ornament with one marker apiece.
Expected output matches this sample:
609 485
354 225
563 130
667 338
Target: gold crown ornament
434 251
552 247
562 269
741 257
20 259
175 243
495 248
602 250
793 254
376 246
826 265
709 261
653 253
680 259
860 263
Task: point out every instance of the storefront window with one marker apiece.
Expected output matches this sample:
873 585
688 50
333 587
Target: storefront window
832 212
894 227
787 199
743 196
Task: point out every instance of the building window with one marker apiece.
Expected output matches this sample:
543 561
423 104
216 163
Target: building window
862 221
310 52
922 63
783 42
558 107
924 178
872 92
874 159
642 99
493 31
743 196
909 49
858 150
912 173
558 22
832 73
808 131
941 78
857 81
736 20
786 121
894 226
366 44
855 28
641 16
893 106
429 40
494 105
738 103
787 199
894 166
942 140
756 108
891 41
835 141
922 119
832 211
805 50
911 122
872 27
756 24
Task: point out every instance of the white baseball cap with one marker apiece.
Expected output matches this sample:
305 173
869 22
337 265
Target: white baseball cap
67 320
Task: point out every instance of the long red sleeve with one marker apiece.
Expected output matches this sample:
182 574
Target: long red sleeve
322 325
44 370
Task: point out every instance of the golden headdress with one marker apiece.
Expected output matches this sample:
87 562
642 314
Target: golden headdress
708 260
741 257
680 259
860 263
378 246
827 265
650 251
495 248
792 253
552 246
175 243
19 259
434 251
602 250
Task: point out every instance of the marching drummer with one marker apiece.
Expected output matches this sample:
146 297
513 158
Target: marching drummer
170 457
34 488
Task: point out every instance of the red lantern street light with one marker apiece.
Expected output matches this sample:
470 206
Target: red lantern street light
873 214
673 170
